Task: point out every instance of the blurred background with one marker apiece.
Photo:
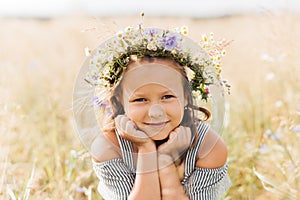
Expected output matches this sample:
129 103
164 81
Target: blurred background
41 51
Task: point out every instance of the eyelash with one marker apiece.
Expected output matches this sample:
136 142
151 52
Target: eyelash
143 99
168 96
139 100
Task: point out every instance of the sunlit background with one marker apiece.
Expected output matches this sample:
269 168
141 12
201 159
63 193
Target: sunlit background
187 8
41 51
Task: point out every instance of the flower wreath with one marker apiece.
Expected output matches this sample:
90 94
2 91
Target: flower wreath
107 64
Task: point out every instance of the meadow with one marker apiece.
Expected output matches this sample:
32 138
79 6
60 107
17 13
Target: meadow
41 156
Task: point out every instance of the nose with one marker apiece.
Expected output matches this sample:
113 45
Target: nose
156 111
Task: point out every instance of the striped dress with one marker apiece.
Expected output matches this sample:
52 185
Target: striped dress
117 176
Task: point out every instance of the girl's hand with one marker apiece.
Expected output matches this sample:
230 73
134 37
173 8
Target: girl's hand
179 141
128 130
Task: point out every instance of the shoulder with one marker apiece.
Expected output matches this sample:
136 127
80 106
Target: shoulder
212 152
105 147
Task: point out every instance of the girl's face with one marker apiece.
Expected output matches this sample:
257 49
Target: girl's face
153 98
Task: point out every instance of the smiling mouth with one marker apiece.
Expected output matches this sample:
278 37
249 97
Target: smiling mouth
157 125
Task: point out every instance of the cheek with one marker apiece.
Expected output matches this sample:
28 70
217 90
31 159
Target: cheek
175 109
135 113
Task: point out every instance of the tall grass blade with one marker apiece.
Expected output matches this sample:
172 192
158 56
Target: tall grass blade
10 193
29 184
272 187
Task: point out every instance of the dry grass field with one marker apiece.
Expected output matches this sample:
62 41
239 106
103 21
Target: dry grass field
41 156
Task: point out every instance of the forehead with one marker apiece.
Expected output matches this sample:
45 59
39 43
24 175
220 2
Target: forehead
152 73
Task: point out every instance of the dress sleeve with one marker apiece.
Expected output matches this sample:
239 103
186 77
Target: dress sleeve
115 179
207 184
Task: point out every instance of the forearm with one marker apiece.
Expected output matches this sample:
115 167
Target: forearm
146 185
170 184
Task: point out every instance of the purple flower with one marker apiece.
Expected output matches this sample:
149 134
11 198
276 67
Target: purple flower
94 77
276 136
273 136
170 42
296 128
71 165
97 102
268 133
81 189
263 149
152 32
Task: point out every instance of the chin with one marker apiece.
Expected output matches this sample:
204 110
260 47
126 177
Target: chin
161 135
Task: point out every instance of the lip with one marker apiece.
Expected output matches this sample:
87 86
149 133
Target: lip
156 124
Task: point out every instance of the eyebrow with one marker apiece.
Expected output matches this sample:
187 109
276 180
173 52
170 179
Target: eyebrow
141 94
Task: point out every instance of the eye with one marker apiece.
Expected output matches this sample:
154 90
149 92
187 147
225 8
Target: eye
139 100
168 96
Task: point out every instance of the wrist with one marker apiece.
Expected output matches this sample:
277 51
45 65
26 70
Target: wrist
164 160
146 159
147 147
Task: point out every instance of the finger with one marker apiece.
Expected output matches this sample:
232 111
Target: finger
117 122
124 121
131 133
184 132
184 135
176 132
188 135
179 134
120 123
170 144
136 136
123 124
118 119
130 127
172 135
141 136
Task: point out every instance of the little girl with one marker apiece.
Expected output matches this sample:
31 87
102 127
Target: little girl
153 143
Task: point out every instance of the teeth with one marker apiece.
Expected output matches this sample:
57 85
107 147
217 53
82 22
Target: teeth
156 123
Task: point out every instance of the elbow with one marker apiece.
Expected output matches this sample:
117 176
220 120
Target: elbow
216 158
96 152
